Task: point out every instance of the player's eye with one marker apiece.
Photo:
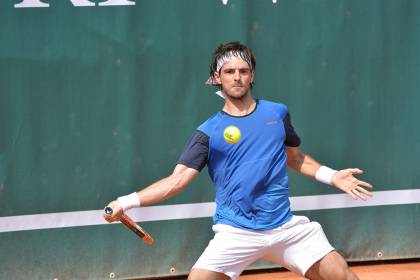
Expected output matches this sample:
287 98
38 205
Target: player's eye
229 71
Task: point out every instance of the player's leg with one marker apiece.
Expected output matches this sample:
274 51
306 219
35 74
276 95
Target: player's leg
331 267
204 274
228 254
298 245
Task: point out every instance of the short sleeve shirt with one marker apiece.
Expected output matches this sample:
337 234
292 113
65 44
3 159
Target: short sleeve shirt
250 175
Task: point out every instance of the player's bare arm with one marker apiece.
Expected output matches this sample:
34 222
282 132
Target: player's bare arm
300 162
158 191
342 179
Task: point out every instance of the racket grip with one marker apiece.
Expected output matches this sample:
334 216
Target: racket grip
132 225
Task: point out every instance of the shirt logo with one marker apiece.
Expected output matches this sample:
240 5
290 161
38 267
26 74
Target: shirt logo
272 122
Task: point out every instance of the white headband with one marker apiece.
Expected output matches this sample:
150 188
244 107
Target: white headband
232 55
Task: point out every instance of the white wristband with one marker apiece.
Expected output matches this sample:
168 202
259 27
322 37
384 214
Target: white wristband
324 174
129 201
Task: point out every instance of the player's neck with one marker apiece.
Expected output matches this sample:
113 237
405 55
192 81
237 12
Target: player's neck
239 107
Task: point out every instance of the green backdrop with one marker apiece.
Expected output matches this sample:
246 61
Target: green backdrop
96 102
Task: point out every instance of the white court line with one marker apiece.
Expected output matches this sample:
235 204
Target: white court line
198 210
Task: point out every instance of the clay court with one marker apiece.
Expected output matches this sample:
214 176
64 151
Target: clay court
401 270
389 270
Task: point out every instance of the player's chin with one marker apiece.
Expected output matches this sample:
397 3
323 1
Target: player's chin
237 94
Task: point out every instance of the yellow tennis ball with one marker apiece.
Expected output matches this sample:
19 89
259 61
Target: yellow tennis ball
232 134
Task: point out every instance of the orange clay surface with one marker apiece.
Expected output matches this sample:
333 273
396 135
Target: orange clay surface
386 270
371 271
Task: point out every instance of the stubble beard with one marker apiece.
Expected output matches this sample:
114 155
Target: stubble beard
241 96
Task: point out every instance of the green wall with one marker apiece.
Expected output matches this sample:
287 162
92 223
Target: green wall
96 102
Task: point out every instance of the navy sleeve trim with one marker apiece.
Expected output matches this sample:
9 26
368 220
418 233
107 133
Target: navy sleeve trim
292 139
196 151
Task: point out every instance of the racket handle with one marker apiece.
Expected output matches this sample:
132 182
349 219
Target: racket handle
132 225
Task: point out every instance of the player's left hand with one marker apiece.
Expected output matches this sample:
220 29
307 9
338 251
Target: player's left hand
345 181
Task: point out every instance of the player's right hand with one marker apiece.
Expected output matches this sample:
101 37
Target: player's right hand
117 212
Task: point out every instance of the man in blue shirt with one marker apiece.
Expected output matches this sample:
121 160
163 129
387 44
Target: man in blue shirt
247 147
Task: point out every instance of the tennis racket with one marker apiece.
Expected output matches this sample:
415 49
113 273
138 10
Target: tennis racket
132 225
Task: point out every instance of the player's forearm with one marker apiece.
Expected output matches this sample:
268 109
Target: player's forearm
161 190
307 166
304 164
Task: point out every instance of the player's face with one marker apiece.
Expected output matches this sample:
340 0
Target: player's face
236 78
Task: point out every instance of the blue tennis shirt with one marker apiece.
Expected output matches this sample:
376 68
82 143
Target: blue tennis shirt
250 176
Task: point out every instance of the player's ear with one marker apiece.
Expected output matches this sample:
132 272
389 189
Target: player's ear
216 77
252 76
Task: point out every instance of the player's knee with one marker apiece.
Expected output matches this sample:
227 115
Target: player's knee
334 267
344 273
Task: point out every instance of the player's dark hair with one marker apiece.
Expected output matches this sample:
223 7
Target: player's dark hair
225 48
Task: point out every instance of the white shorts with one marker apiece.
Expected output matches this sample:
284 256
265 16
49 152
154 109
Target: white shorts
296 245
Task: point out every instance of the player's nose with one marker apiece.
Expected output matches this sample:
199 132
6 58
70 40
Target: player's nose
236 76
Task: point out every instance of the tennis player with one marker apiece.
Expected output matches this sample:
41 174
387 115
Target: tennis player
247 147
